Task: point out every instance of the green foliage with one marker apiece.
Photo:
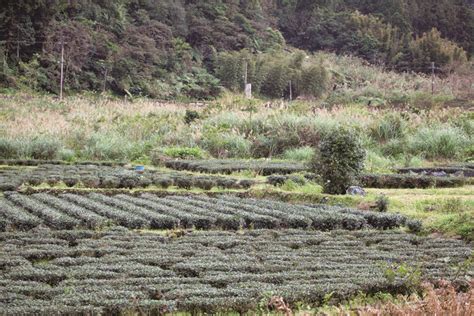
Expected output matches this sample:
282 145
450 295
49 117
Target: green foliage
452 205
299 154
414 225
184 152
8 148
168 49
381 32
410 276
391 126
230 69
199 84
226 145
44 148
442 141
313 81
271 74
67 155
339 159
375 162
277 78
111 147
381 203
431 47
190 116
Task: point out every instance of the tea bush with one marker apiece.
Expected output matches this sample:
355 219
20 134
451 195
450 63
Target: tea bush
177 211
339 159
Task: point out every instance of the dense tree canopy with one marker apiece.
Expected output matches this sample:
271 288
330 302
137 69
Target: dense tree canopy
170 48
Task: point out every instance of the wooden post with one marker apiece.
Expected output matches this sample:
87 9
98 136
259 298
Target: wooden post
61 82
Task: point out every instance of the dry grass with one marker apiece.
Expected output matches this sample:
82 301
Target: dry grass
439 299
24 116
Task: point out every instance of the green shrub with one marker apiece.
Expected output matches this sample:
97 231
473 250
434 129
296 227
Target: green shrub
377 163
439 142
184 152
190 116
289 185
395 147
44 148
277 80
299 154
314 81
67 154
226 145
37 148
381 203
453 205
339 159
110 147
8 148
391 126
414 225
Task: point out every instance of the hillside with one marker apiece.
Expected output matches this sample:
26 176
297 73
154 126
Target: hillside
173 49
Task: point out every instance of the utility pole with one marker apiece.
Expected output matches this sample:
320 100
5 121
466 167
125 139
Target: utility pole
247 86
61 82
432 77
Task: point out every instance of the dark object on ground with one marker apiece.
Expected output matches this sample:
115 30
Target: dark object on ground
355 190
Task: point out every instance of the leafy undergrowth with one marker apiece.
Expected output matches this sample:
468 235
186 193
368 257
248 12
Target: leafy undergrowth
439 298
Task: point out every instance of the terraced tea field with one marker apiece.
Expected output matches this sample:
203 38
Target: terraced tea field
117 271
89 251
70 211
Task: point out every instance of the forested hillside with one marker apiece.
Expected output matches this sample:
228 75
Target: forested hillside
176 48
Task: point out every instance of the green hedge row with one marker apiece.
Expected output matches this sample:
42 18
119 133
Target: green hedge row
94 210
408 181
101 176
227 166
389 181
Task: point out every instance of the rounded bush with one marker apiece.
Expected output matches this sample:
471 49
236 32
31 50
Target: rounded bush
339 159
